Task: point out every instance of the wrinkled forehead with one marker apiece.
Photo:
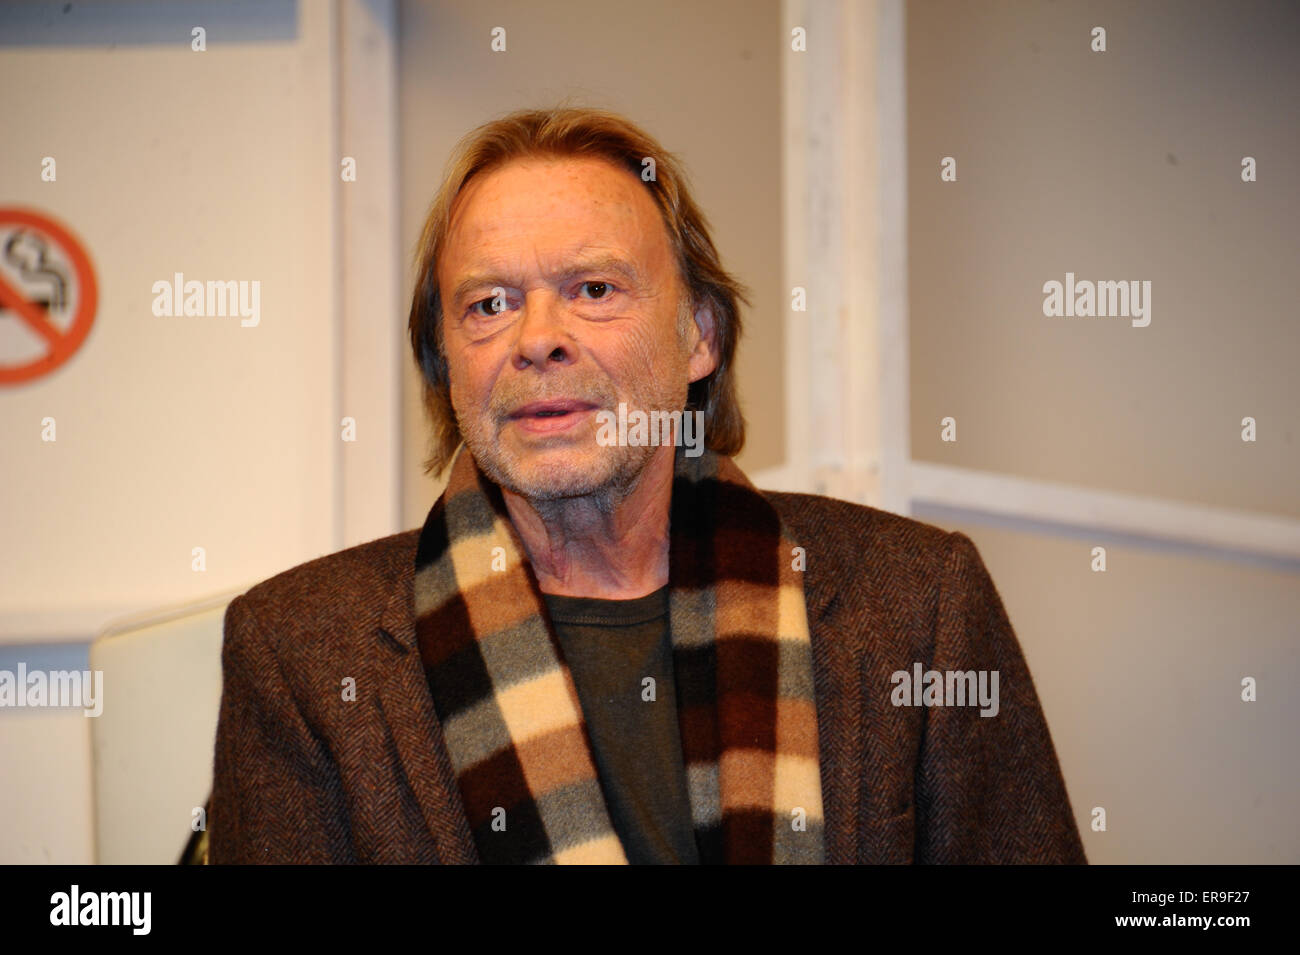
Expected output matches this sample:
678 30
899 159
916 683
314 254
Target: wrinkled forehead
543 210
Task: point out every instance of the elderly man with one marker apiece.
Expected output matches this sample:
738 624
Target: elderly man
604 645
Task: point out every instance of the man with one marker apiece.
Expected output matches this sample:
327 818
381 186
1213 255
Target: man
605 645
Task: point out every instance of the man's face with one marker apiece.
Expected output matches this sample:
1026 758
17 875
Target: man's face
561 298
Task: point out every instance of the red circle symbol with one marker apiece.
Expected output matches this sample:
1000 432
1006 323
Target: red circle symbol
60 343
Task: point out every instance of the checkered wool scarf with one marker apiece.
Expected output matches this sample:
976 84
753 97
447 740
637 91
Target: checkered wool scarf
742 663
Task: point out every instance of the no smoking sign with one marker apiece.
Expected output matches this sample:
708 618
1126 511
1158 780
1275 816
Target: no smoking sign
47 295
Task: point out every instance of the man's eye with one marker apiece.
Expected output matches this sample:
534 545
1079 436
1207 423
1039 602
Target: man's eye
599 290
491 311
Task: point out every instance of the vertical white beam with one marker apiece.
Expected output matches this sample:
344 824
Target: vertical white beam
796 475
893 387
856 224
845 204
370 269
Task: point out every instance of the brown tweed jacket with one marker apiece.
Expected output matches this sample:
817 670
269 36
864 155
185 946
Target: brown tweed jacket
305 774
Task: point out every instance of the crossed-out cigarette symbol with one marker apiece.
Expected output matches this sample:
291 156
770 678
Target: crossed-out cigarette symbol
35 287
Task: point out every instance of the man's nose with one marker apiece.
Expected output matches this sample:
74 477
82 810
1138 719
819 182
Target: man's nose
541 339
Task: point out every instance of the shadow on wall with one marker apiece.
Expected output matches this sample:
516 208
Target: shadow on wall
128 22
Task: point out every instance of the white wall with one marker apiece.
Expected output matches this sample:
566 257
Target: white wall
183 432
46 813
1119 165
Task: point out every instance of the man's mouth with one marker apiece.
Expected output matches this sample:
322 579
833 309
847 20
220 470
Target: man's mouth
551 415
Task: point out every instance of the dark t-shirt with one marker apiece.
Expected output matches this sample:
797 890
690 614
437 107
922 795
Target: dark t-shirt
611 647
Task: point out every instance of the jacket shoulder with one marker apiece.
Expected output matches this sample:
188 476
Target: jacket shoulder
331 595
871 571
843 529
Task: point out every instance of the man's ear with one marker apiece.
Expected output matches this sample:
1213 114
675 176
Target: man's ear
704 356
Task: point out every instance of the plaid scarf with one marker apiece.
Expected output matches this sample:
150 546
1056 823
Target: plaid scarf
742 665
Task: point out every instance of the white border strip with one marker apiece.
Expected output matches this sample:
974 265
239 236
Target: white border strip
88 623
1111 512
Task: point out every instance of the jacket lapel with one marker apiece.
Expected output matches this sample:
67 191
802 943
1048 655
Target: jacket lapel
837 712
408 711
